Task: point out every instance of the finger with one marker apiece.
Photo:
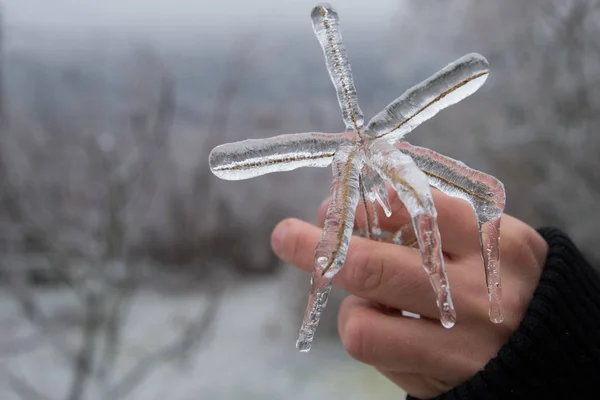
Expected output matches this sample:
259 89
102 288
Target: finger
322 213
381 272
417 385
403 344
456 220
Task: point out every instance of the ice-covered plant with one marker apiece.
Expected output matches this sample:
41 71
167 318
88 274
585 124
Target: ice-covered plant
365 158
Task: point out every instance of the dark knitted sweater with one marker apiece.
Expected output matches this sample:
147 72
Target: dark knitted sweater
555 352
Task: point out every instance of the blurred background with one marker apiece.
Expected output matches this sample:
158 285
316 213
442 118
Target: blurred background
128 271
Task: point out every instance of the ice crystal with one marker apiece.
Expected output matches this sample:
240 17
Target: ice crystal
365 159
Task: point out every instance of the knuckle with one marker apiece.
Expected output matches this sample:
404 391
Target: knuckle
297 252
520 244
293 246
511 304
415 281
297 247
353 335
366 274
526 244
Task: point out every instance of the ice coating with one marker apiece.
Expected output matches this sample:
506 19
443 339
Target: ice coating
255 157
364 159
372 229
430 244
487 197
448 86
414 191
376 189
317 301
325 21
405 236
484 192
339 219
332 248
401 172
489 235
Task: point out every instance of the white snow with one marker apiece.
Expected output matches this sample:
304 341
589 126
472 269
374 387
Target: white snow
249 353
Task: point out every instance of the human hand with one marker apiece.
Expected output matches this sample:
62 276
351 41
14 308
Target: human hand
420 355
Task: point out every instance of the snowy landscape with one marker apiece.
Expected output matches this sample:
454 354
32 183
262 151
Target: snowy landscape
127 270
243 355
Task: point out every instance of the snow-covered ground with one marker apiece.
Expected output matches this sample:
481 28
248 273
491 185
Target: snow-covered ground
249 353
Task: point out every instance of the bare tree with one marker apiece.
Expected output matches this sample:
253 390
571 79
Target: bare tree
81 205
206 227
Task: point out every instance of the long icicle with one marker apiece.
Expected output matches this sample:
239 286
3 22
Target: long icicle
413 190
485 194
254 157
332 248
446 87
325 22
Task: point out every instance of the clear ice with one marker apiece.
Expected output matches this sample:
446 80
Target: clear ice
376 189
365 160
255 157
405 236
332 248
413 190
448 86
326 22
485 194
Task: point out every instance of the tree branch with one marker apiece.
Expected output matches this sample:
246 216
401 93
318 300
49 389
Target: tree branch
190 337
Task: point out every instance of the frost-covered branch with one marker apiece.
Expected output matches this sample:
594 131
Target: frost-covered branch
255 157
446 87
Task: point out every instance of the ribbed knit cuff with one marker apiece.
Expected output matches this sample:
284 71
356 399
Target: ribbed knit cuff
555 352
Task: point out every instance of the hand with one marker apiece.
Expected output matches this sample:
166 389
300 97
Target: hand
420 355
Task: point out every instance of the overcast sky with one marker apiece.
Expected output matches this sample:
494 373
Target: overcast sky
172 14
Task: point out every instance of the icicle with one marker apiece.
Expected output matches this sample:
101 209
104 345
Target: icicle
406 236
487 197
413 189
377 189
372 229
255 157
332 248
325 22
450 85
489 236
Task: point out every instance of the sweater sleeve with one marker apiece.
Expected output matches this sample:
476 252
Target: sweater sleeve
555 352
